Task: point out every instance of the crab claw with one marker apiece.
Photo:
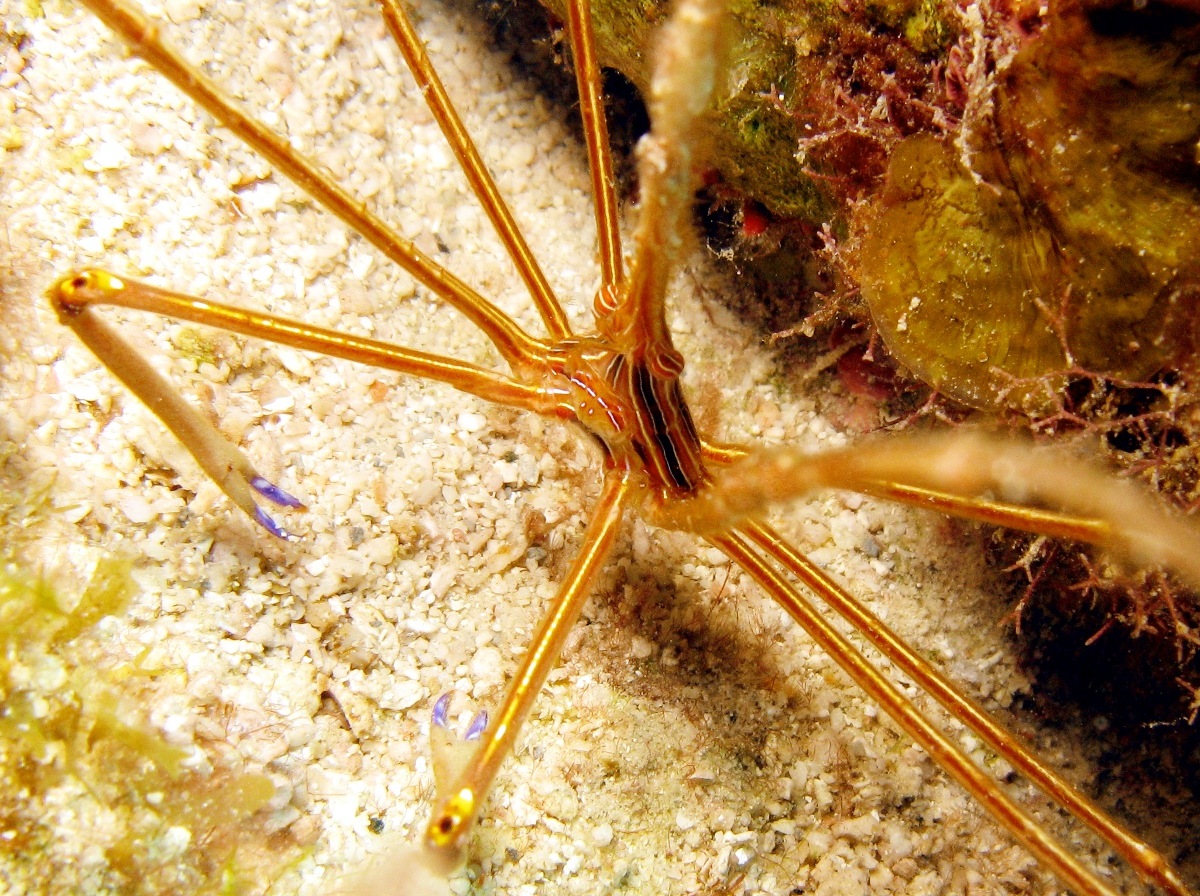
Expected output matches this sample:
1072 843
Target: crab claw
478 726
224 462
439 710
275 495
448 751
270 525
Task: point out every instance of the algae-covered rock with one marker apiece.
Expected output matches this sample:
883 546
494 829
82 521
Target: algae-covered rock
1070 243
1023 178
946 265
804 77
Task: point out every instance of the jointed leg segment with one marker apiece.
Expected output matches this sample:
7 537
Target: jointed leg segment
953 473
89 288
978 783
473 167
225 464
595 132
877 633
124 17
452 822
76 295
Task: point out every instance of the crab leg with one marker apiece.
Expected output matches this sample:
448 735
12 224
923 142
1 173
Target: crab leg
450 827
225 464
90 287
595 132
957 764
982 510
995 513
478 176
76 295
950 473
127 19
1152 866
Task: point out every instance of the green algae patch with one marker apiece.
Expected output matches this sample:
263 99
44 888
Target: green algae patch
194 343
1069 246
76 756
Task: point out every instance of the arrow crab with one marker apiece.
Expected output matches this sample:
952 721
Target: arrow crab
429 561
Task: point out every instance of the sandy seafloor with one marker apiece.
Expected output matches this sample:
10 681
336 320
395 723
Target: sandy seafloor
692 740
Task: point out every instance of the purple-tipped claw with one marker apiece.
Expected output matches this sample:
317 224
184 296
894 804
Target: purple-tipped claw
269 524
440 718
274 493
439 710
478 726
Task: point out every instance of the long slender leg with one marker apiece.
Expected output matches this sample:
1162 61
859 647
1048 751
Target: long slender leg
75 296
83 289
595 132
1099 509
228 467
1012 516
127 19
996 513
1152 866
472 165
451 824
958 765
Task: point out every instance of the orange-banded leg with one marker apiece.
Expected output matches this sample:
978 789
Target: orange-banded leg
952 759
473 167
449 829
595 131
945 474
76 295
954 473
523 352
447 834
1151 865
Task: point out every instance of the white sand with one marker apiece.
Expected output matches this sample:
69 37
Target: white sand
692 739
